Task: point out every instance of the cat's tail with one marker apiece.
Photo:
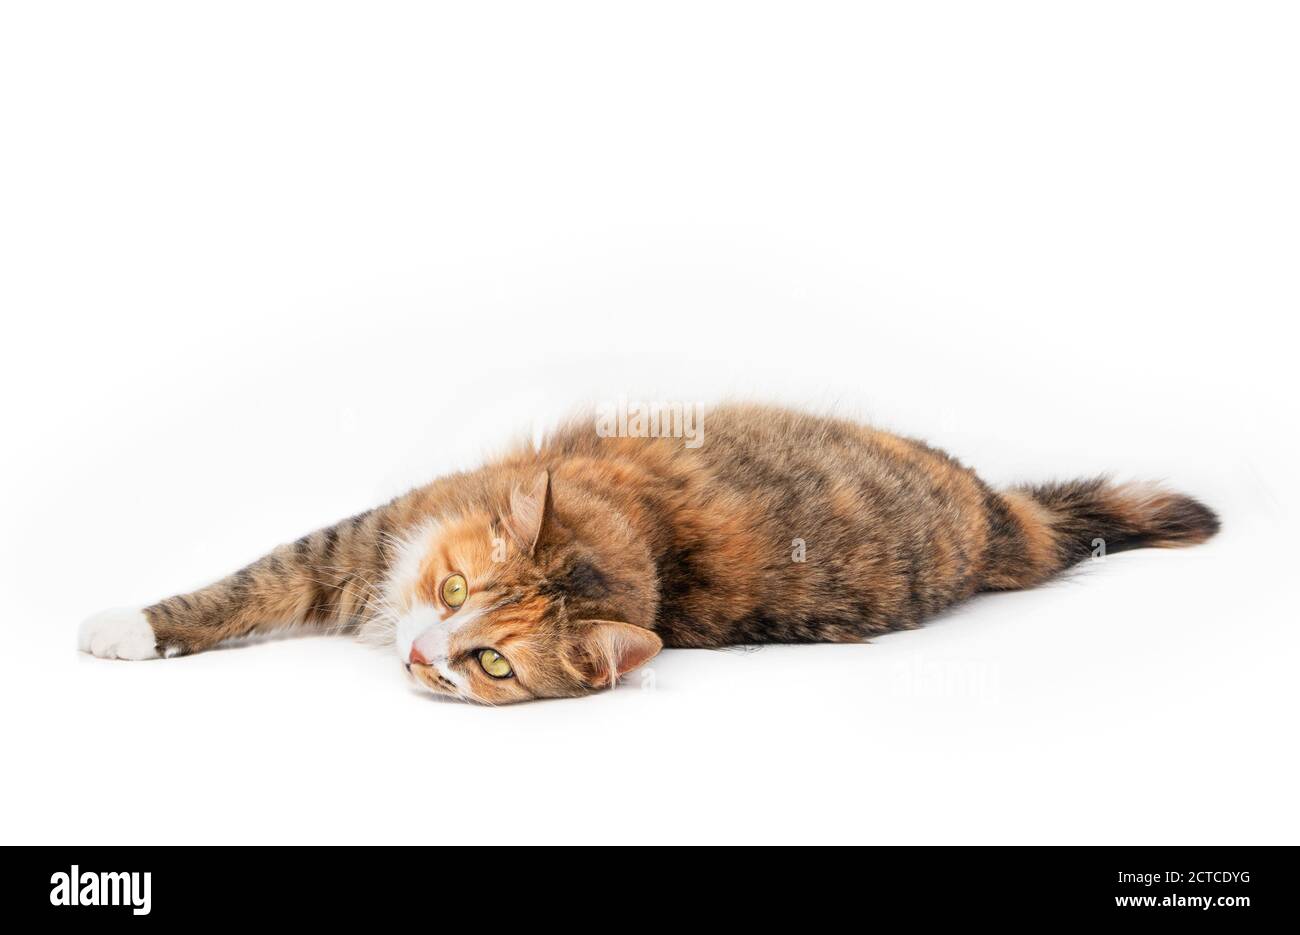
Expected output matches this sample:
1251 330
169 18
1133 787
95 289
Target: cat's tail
1039 530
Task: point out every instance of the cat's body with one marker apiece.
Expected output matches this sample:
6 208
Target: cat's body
551 571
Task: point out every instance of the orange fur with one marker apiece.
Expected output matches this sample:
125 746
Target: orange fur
584 557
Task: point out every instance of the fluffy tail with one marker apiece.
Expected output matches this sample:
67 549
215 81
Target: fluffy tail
1042 529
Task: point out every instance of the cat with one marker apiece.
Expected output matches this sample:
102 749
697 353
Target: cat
556 569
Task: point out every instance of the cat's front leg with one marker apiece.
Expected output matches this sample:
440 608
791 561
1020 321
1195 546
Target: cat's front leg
327 580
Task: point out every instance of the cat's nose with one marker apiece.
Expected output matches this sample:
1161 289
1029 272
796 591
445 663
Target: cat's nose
417 657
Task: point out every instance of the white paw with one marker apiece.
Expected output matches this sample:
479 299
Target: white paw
118 634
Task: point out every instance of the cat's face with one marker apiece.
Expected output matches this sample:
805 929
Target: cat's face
486 612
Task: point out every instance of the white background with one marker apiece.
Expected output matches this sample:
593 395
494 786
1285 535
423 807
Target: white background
267 264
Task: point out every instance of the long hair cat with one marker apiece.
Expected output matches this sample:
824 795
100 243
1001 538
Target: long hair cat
556 569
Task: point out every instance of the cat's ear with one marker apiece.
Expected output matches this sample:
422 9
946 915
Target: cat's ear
528 509
611 648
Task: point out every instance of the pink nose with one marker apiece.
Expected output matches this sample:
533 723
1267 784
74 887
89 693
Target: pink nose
417 657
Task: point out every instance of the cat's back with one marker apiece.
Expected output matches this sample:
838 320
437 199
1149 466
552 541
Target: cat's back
772 445
758 448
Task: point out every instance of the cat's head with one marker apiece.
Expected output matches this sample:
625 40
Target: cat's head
526 601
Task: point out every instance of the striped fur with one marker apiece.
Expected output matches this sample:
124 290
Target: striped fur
645 541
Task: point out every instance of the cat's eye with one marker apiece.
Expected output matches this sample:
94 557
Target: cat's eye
454 591
494 664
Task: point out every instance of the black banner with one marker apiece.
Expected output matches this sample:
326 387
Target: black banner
133 887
